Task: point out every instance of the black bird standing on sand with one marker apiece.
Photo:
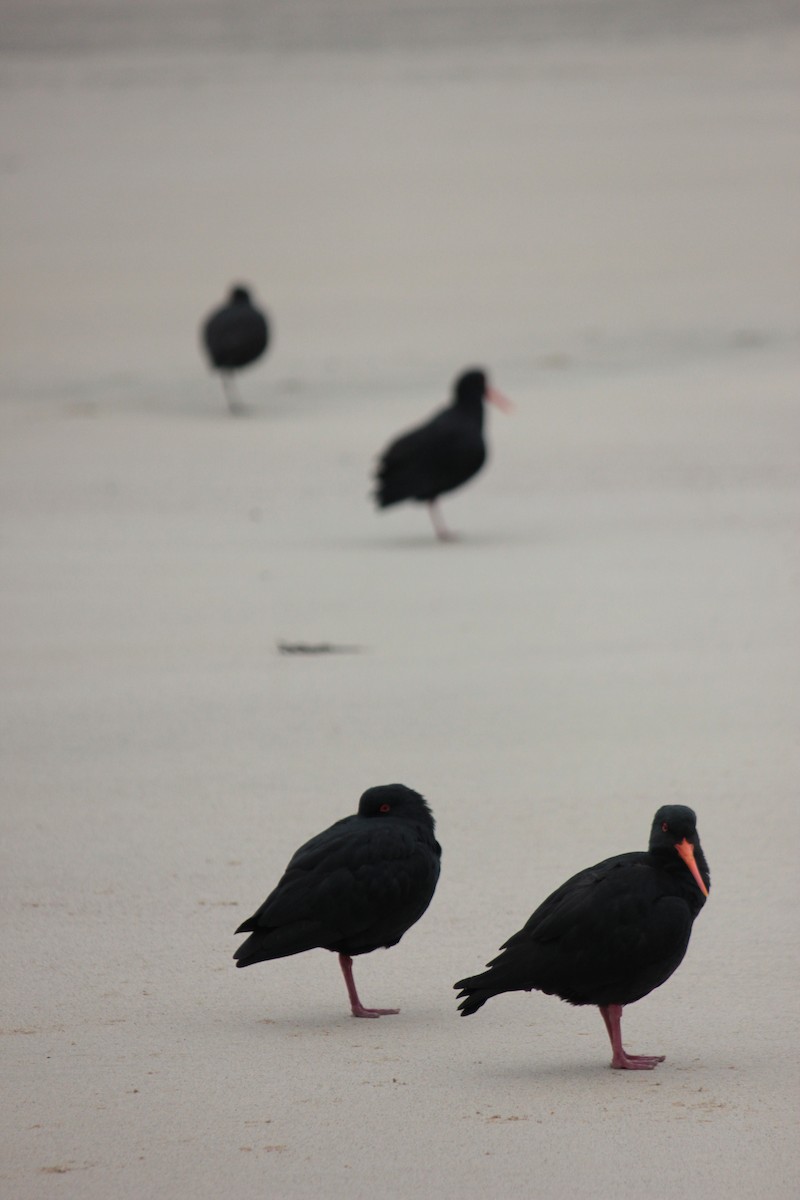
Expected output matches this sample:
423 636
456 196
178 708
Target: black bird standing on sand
609 935
234 336
440 455
357 886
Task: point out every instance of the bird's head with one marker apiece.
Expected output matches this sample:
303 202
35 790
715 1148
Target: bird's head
239 295
674 831
472 388
394 800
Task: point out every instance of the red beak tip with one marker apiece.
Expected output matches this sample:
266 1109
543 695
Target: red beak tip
686 850
499 400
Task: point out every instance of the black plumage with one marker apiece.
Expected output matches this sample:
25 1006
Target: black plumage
440 455
234 336
611 934
357 886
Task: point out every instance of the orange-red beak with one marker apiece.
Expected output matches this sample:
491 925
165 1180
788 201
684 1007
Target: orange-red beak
686 851
499 400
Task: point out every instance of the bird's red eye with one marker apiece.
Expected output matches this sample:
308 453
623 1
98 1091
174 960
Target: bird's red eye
385 808
664 827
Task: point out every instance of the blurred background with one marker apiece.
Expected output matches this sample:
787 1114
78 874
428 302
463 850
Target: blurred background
408 185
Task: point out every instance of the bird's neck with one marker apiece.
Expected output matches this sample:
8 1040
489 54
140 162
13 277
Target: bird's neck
471 407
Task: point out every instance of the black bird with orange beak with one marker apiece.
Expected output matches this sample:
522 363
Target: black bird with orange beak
609 935
442 454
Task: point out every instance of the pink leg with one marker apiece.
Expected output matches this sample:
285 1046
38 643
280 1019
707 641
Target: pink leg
442 532
231 394
356 1007
612 1015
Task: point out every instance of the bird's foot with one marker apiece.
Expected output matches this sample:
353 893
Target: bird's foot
636 1062
620 1059
358 1010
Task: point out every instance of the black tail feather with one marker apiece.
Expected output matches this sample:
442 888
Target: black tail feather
265 944
474 994
391 488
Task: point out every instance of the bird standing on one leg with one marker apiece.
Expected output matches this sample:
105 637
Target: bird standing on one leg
609 935
235 335
357 886
440 455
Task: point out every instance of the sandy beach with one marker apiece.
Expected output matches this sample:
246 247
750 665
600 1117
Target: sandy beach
597 203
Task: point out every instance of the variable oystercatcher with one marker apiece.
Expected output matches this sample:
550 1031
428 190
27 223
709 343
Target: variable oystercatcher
234 336
442 454
609 935
359 885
